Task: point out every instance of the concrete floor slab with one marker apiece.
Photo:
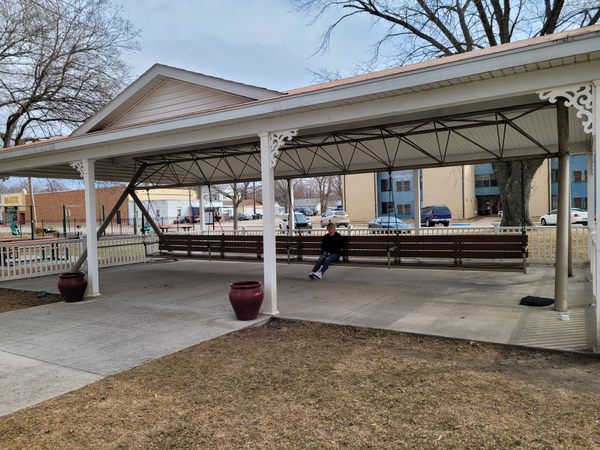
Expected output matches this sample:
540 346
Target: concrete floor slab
149 310
144 312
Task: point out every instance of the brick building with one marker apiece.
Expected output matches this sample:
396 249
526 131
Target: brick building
50 206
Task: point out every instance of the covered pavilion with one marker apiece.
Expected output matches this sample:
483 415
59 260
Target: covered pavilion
535 98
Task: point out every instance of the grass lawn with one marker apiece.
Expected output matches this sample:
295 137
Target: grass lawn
307 385
11 299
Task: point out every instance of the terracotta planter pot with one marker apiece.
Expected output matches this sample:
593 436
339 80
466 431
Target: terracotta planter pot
72 286
246 298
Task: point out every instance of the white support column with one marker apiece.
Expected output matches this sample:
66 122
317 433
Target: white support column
292 214
417 200
85 168
561 272
270 144
591 207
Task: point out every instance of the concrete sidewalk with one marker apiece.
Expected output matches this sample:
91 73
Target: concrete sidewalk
150 310
143 314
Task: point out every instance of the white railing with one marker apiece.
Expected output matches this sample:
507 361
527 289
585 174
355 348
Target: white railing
25 259
542 240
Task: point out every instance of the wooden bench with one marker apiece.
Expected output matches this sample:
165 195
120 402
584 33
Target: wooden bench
482 251
485 251
209 246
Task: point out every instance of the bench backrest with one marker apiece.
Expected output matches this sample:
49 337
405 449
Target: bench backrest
472 246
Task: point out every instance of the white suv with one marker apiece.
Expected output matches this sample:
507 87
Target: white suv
338 217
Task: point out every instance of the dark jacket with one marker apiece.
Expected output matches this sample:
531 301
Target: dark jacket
332 244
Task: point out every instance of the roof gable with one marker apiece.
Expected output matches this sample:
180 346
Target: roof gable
164 91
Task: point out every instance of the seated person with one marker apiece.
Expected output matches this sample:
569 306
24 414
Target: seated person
331 248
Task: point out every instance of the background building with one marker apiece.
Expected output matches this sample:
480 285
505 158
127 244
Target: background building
468 191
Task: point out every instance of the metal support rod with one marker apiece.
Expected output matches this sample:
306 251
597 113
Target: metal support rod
145 213
32 221
113 211
417 200
292 214
591 212
65 220
570 253
201 208
561 270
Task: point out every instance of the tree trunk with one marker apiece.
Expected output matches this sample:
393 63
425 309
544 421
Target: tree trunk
235 216
514 181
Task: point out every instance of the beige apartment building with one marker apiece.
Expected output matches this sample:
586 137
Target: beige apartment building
454 187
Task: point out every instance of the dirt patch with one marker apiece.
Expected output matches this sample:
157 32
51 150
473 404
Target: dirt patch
291 385
11 299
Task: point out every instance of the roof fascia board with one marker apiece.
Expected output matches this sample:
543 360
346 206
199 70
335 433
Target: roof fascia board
157 70
213 128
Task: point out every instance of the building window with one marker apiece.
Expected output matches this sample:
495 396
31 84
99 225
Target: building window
403 186
404 209
486 180
554 202
580 202
386 186
387 207
554 175
580 176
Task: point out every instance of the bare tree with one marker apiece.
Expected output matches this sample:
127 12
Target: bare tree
236 192
337 187
63 63
416 30
327 190
282 193
60 61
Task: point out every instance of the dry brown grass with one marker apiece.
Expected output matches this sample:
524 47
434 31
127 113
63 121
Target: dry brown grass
292 385
11 299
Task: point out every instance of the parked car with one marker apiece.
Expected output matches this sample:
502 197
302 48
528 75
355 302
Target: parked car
390 223
577 216
244 216
338 217
432 215
301 222
306 211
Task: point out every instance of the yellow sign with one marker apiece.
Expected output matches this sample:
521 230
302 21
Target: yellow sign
13 200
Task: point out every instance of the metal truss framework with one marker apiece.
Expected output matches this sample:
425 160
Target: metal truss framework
339 150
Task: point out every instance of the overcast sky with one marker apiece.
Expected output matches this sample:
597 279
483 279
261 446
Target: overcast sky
260 42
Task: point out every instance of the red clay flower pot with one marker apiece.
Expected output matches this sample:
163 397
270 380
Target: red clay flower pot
72 286
246 298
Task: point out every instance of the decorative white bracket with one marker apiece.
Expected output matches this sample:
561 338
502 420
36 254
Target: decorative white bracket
580 96
81 167
277 139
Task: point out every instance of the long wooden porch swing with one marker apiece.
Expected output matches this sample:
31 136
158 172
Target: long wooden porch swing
387 248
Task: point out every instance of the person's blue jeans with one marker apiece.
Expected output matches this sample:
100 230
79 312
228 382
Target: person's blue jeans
324 262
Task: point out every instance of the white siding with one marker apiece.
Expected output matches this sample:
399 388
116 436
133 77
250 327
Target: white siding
174 98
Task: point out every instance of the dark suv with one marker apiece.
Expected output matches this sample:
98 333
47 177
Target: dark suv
432 215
